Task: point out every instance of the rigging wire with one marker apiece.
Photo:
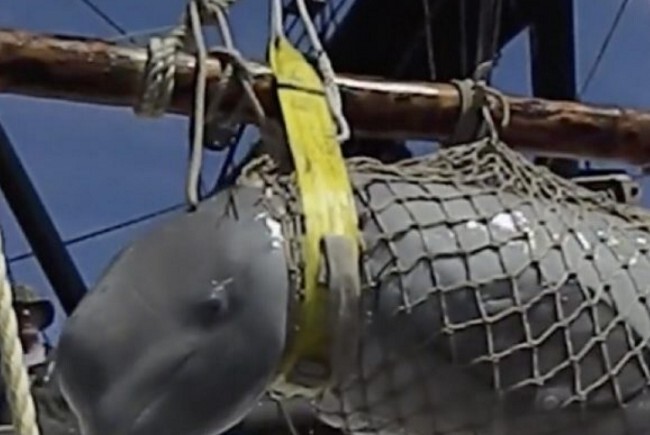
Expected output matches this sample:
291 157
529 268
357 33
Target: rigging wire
497 24
463 37
228 164
601 54
105 230
104 16
604 46
141 33
488 34
428 24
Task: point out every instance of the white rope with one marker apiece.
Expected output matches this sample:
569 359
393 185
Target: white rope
159 79
197 119
13 369
236 69
276 18
332 91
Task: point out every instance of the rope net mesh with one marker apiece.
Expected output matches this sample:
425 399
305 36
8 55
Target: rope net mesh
498 297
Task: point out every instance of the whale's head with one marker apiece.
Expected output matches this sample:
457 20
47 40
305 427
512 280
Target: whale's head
185 330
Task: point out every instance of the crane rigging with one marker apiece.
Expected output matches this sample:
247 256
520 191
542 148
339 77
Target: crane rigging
476 169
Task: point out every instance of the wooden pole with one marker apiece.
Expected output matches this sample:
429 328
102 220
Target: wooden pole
98 72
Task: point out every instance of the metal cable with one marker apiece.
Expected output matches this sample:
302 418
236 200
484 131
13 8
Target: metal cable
103 231
228 161
487 44
332 92
143 32
498 16
462 13
104 16
428 23
604 46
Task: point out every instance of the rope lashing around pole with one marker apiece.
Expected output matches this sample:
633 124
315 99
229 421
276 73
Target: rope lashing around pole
13 370
159 78
159 74
477 98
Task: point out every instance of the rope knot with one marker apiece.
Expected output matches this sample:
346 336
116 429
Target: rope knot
159 75
477 101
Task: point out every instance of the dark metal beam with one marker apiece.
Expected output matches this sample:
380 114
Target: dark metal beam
38 227
455 28
552 48
350 51
553 69
313 6
98 72
392 25
399 47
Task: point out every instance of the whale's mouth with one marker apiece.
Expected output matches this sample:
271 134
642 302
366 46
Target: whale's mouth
148 418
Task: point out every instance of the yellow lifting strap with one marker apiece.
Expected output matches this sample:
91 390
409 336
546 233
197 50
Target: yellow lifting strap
328 206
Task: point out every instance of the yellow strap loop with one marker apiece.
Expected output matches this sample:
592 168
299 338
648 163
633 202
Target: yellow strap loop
326 195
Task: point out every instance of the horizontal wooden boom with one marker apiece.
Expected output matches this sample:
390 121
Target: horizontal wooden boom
99 72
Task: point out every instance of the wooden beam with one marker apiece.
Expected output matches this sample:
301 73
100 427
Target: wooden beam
98 72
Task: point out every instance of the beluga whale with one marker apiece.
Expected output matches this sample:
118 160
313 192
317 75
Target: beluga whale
482 311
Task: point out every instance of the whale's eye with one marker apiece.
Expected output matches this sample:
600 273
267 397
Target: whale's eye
214 306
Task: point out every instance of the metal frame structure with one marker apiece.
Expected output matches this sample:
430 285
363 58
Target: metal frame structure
399 47
38 227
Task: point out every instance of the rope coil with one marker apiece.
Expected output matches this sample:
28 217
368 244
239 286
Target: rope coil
159 74
13 370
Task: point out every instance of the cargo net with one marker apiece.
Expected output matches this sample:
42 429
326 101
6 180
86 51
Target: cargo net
498 298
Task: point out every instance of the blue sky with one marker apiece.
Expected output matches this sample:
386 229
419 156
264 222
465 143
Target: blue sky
95 166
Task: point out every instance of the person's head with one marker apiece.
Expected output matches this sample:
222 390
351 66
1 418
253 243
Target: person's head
185 329
34 314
